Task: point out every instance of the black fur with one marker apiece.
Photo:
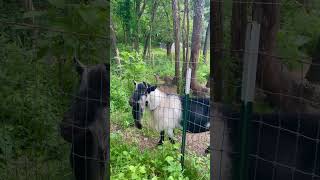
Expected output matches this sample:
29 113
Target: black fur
282 146
199 111
84 124
137 111
151 88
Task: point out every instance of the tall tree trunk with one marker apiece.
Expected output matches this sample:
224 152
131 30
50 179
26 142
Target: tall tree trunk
216 45
238 33
126 25
139 12
176 26
238 28
184 41
168 47
148 36
269 71
306 4
125 36
272 75
115 51
196 45
206 43
185 37
137 27
145 47
28 5
186 60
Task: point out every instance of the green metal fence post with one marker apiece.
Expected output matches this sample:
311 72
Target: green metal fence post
246 110
247 96
185 116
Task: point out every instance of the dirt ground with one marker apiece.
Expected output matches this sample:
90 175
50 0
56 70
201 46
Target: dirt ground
195 143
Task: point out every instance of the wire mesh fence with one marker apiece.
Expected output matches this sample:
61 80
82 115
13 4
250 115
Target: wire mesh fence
39 86
53 121
275 136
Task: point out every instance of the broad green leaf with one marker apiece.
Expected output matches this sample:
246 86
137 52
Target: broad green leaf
169 159
142 169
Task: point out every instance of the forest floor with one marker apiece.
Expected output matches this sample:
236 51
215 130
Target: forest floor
196 143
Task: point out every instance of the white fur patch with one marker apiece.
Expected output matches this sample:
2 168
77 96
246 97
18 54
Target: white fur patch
142 102
166 110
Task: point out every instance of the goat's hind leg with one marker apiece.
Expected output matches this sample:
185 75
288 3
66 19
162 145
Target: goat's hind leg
208 150
171 135
161 138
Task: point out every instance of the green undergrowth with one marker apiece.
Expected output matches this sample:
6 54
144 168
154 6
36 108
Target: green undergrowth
163 162
128 160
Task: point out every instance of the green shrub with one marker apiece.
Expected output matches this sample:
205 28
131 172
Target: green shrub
129 162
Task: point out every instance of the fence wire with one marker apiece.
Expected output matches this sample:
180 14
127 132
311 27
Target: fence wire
54 119
284 129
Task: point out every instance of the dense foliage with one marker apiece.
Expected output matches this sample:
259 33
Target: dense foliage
38 80
164 162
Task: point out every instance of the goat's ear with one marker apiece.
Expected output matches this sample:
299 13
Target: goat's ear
146 84
150 89
79 66
135 84
153 88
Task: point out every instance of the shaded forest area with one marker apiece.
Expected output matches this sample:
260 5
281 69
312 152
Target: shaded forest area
289 45
38 40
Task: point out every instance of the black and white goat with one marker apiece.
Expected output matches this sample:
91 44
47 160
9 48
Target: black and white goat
167 111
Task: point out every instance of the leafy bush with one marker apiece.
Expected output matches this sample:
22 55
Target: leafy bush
133 68
31 108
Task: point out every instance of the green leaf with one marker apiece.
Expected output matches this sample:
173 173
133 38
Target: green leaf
132 168
142 169
169 159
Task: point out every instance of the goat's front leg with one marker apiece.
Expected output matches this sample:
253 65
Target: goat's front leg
161 138
171 135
